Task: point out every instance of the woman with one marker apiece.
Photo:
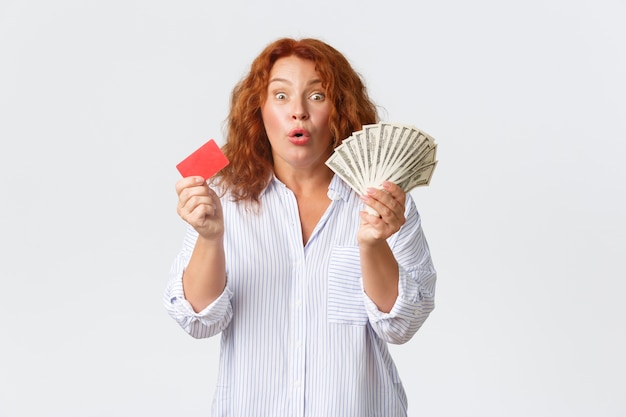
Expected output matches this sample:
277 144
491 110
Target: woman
305 286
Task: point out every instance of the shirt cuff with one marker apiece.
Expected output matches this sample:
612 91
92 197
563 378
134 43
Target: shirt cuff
205 323
217 306
409 294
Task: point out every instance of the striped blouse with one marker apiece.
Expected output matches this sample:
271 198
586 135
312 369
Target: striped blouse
299 335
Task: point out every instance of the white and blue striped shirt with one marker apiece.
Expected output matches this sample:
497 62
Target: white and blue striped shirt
299 335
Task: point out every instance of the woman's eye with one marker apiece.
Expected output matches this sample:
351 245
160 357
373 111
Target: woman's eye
317 96
280 96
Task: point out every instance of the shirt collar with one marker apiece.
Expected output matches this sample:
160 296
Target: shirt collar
337 189
270 183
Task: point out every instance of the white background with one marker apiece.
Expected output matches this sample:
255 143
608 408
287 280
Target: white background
525 214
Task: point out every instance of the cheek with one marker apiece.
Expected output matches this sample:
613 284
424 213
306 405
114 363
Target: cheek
322 114
271 122
268 116
325 116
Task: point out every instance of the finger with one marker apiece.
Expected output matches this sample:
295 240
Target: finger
200 214
197 190
194 202
373 228
390 203
389 219
188 182
398 204
376 209
396 192
371 219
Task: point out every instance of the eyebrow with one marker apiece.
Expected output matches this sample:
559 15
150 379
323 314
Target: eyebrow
284 80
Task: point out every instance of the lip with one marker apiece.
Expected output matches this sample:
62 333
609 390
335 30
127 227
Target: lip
299 136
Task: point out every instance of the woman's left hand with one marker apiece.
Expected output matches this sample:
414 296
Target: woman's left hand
389 203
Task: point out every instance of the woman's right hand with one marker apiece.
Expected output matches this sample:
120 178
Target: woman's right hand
200 206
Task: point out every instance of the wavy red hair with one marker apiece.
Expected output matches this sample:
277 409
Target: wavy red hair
247 146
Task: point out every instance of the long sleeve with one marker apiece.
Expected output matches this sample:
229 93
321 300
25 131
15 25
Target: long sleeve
208 322
416 286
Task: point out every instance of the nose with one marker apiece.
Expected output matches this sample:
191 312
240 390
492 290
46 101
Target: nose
299 111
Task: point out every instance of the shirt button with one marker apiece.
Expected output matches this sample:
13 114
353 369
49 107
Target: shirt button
297 384
298 344
298 303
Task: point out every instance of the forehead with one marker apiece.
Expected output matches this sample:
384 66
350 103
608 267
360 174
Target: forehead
292 68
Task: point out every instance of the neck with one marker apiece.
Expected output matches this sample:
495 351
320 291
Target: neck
306 182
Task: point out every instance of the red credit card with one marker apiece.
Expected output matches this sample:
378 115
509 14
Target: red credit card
205 161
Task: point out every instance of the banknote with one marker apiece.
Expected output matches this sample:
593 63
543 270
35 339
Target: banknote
385 151
344 163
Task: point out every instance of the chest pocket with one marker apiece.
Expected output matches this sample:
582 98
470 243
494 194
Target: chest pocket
345 293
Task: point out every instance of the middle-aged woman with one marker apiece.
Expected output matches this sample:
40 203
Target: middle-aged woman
306 288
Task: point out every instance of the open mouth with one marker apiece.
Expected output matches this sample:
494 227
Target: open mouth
299 136
298 133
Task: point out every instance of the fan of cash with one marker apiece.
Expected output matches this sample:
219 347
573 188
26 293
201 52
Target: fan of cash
401 154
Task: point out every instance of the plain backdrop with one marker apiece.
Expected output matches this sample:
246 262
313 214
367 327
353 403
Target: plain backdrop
524 215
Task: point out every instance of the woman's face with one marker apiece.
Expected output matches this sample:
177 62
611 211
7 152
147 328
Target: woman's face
296 114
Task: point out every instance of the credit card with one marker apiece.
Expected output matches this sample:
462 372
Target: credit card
205 161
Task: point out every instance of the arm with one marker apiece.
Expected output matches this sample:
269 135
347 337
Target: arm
415 278
378 264
196 295
204 278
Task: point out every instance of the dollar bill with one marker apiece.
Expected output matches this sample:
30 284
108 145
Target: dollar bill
371 136
349 170
400 153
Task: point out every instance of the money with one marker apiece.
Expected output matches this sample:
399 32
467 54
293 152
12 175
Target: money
399 153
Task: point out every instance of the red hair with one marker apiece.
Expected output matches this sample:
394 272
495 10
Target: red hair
247 146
